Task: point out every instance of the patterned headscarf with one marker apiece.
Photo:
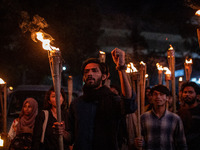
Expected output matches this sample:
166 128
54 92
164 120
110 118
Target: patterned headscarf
26 123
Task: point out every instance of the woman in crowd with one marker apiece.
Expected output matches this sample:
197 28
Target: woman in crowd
20 133
50 140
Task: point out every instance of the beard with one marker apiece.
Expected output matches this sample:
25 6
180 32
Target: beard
189 101
96 83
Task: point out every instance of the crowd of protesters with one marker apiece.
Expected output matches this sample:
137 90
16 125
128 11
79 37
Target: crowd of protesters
104 117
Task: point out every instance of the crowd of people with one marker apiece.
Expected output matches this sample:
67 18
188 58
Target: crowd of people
104 117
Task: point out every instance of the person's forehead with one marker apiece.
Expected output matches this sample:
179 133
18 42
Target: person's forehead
155 91
188 88
91 66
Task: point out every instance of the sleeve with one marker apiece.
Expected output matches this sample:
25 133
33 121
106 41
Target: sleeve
180 139
37 131
128 105
12 131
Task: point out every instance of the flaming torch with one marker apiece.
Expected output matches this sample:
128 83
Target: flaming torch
102 56
4 87
171 62
54 55
147 79
188 68
135 80
142 84
167 76
160 71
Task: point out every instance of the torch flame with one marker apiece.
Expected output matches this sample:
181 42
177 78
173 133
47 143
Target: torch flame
188 61
180 79
1 142
1 81
159 67
142 63
101 52
45 42
131 68
170 47
197 13
146 75
167 71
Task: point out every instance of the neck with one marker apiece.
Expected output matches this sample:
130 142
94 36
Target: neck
54 112
159 110
193 105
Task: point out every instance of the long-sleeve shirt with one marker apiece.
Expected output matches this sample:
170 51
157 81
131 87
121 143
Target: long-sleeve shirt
94 119
164 133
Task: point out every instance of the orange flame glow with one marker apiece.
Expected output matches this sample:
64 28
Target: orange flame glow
180 79
2 81
45 42
197 13
142 63
167 71
101 52
159 67
170 47
188 61
131 68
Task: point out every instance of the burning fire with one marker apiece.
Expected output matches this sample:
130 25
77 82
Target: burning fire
146 75
159 67
180 79
188 61
197 13
101 52
131 68
170 47
45 42
167 71
142 63
1 81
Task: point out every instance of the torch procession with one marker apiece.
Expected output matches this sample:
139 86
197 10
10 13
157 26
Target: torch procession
171 62
167 76
54 56
188 68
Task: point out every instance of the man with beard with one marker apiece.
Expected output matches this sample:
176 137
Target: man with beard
190 114
94 117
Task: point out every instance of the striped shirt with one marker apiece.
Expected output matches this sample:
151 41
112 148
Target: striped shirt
164 133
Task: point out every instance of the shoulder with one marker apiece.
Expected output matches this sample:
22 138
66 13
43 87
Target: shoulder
173 116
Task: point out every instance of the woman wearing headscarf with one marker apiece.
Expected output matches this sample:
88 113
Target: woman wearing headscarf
23 126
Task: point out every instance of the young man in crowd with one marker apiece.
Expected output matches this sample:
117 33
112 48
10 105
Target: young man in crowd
190 114
95 116
160 128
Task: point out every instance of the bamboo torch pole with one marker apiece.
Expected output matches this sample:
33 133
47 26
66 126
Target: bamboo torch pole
70 90
55 65
188 68
142 85
171 62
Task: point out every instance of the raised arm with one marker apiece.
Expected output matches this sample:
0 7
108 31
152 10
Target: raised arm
118 56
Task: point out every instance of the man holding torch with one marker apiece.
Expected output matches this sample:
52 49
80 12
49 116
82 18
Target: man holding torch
94 117
160 128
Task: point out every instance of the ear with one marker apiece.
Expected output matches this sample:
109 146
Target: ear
104 77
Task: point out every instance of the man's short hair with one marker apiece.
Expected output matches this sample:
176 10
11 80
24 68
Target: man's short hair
192 84
102 66
160 88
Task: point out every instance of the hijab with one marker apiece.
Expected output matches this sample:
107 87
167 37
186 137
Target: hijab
26 123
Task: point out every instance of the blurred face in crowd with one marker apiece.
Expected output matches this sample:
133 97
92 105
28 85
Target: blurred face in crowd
189 95
27 109
52 99
158 98
92 75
